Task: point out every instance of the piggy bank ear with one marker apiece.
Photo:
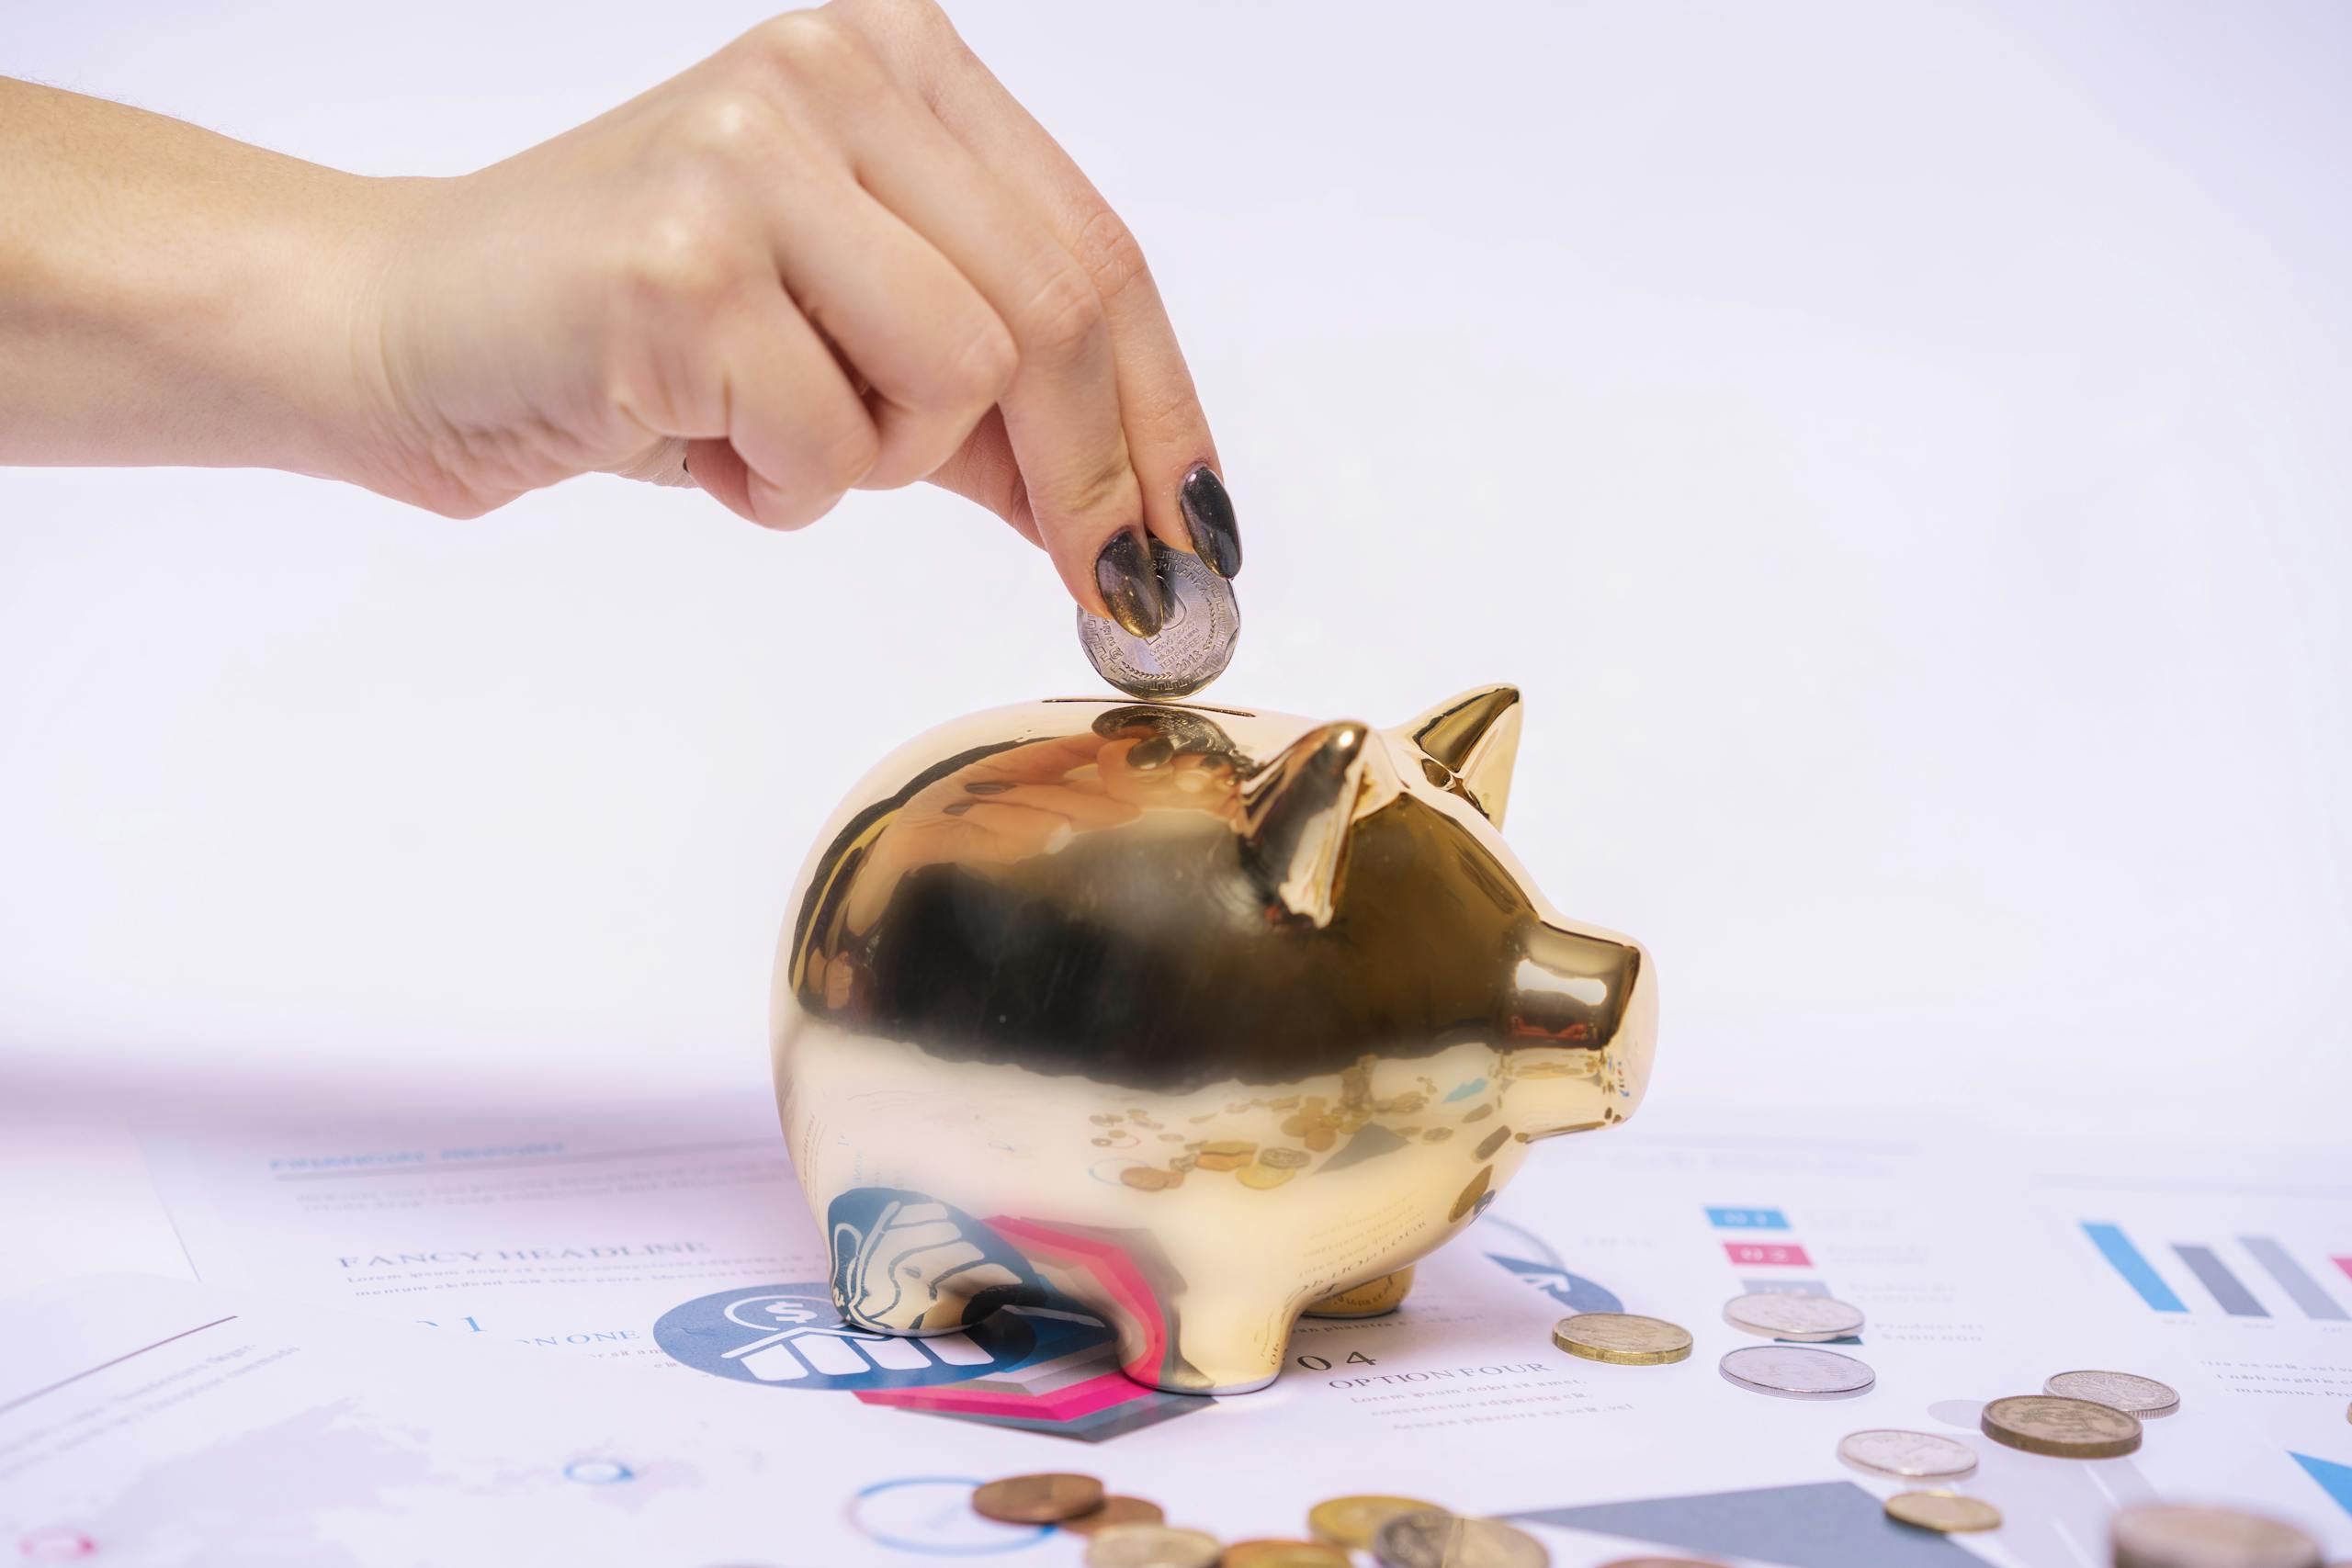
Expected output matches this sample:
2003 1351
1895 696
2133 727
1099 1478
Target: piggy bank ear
1473 739
1296 814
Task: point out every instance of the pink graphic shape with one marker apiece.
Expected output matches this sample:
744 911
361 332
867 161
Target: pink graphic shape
1109 1264
1770 1254
977 1399
2345 1264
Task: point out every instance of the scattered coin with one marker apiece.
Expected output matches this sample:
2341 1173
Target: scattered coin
1263 1177
1283 1554
1915 1456
1795 1372
1117 1511
2069 1428
1352 1522
1152 1546
1037 1499
2133 1396
2167 1535
1622 1338
1943 1512
1433 1537
1194 644
1789 1316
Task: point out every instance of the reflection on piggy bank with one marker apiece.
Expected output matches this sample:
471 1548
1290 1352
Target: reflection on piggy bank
1197 1017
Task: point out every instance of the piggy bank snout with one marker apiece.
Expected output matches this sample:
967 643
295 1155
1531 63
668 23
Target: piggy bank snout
1582 1030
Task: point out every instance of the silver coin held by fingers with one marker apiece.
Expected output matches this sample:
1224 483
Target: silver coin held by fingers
1194 644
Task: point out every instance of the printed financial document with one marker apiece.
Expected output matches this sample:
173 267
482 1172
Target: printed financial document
672 1238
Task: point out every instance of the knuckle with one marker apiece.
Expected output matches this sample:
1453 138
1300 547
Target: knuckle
977 374
1173 412
1103 488
677 260
1112 255
1065 316
726 126
816 47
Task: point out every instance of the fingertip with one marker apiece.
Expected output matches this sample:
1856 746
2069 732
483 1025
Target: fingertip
1209 519
1126 578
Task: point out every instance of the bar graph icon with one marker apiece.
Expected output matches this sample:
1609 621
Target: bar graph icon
2225 1284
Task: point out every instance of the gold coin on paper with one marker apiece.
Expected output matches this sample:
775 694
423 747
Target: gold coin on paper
1152 1546
1371 1298
1037 1499
2132 1394
1622 1338
1117 1511
1944 1512
1433 1537
2067 1428
1283 1554
1282 1158
2168 1535
1352 1522
1262 1176
1915 1456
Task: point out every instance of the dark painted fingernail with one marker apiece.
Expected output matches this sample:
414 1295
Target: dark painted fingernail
986 786
1152 753
957 807
1129 583
1208 516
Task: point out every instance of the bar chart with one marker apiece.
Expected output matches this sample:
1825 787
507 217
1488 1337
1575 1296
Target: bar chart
2280 1279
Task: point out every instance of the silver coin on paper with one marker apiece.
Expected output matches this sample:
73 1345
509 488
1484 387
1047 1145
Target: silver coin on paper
2126 1391
1795 1372
1915 1456
1194 644
1793 1317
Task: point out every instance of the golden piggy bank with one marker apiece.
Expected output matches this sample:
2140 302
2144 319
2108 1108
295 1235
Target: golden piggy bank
1197 1017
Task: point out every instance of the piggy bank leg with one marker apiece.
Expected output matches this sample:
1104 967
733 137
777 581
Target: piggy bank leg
1214 1346
1373 1298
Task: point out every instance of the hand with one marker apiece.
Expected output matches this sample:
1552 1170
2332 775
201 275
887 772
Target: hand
835 254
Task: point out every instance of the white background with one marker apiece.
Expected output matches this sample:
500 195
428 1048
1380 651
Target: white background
1900 450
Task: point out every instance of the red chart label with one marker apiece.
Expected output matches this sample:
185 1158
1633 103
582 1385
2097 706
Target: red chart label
1773 1253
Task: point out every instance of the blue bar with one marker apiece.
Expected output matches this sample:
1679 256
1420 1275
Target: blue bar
2118 1251
1747 1219
2215 1276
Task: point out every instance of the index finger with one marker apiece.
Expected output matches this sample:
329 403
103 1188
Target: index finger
1185 500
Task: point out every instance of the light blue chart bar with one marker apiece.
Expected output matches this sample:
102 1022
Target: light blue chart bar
2118 1251
2294 1278
2215 1276
1747 1219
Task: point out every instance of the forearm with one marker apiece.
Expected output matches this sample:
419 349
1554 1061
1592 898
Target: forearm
170 296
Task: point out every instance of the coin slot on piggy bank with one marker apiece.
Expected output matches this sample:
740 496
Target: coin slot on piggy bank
1199 1018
